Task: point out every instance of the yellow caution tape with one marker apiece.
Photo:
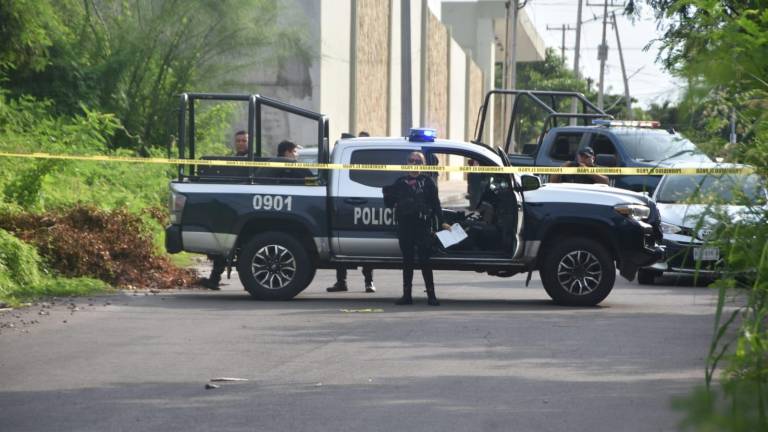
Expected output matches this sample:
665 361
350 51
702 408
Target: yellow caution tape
377 167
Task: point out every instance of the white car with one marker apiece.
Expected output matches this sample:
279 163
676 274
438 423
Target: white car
688 204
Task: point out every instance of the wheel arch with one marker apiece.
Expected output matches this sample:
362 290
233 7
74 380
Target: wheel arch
599 232
292 227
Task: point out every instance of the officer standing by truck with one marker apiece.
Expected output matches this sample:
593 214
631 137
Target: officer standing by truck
341 271
240 148
414 197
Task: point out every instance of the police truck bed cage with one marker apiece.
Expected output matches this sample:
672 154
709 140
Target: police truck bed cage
539 98
186 143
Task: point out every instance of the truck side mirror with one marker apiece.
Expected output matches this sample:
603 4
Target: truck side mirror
530 182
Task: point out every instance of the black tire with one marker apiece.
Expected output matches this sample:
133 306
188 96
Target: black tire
275 266
587 272
647 276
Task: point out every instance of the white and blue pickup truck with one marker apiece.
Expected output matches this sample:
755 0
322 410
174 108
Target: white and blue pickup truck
278 226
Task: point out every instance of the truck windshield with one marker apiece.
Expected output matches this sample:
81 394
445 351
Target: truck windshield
730 189
655 145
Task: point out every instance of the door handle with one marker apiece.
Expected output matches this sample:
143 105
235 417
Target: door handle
355 200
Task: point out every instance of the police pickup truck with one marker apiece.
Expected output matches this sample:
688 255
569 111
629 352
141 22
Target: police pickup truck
278 228
557 136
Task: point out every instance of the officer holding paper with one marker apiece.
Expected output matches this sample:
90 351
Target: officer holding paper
416 203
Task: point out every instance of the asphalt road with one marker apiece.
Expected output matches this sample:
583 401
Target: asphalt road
494 356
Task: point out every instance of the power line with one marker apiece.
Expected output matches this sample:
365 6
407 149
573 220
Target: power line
562 28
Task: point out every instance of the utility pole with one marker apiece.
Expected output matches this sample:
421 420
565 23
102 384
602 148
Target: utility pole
576 54
406 119
562 28
510 63
602 55
577 48
623 69
602 52
511 51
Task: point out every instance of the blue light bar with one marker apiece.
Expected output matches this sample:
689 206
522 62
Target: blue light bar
601 122
422 135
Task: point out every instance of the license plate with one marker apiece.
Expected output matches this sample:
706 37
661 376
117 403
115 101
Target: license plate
706 254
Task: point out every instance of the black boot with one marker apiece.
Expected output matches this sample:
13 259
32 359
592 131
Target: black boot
406 299
338 287
210 283
431 297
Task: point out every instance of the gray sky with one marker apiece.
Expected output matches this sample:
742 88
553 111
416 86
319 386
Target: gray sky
651 84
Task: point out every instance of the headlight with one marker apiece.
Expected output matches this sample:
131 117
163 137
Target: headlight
637 212
669 228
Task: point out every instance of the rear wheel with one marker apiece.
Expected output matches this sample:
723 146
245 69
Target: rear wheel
647 276
274 266
578 272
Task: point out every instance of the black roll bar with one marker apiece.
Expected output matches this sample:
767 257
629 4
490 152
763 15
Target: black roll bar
255 102
536 96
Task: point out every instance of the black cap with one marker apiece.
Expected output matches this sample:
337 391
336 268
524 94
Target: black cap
587 151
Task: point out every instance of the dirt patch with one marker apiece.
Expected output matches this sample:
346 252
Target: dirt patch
112 245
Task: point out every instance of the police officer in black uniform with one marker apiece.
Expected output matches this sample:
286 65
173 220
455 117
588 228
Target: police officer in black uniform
219 261
584 158
417 206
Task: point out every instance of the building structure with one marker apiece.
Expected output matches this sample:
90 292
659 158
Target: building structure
351 67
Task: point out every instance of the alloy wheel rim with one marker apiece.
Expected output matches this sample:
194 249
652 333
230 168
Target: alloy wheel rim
273 267
579 272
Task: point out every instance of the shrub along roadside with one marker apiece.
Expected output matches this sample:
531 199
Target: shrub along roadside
114 246
22 279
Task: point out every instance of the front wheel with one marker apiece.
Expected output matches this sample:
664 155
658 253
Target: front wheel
578 272
274 266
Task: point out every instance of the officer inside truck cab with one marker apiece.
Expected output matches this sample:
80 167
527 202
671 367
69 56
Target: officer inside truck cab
288 149
584 158
241 143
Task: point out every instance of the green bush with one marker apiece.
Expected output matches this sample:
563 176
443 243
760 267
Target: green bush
61 287
20 260
22 275
734 396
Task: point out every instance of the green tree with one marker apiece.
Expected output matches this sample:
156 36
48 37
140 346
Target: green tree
134 58
28 29
721 48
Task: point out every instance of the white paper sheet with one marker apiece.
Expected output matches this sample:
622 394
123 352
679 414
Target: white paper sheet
450 238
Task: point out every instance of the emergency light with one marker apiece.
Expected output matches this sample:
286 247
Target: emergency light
422 135
627 123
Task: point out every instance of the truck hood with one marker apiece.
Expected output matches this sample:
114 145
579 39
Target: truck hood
693 215
585 193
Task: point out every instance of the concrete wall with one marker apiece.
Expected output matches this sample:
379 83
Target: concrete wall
353 72
370 83
417 8
457 92
334 57
395 66
475 94
436 83
291 78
